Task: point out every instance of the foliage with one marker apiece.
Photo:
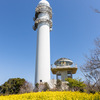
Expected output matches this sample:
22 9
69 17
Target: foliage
37 85
59 83
26 87
91 68
75 84
53 96
46 86
12 86
41 87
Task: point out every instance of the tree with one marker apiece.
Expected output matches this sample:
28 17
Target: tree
12 86
58 85
91 68
26 87
75 84
46 86
37 85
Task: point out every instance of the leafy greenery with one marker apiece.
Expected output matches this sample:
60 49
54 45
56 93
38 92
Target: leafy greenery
26 88
12 86
75 84
37 85
46 86
59 83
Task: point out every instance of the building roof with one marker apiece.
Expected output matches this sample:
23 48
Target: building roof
44 2
64 59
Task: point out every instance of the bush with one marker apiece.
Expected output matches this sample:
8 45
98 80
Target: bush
15 86
75 84
81 90
92 91
37 85
58 85
46 86
26 88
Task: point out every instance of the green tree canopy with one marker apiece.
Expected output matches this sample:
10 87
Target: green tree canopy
75 84
12 86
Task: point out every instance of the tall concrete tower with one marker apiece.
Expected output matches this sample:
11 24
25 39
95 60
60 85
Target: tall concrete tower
43 24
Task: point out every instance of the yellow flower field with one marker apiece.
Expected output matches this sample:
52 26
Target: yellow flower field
53 96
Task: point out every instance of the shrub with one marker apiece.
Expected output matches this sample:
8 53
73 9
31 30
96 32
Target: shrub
15 86
26 88
75 84
46 86
58 85
37 85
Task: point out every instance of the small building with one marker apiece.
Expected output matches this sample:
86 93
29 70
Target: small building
64 69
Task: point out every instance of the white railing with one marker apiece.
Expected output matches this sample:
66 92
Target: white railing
73 65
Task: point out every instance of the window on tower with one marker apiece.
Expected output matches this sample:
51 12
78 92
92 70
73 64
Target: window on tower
69 74
59 76
62 63
40 80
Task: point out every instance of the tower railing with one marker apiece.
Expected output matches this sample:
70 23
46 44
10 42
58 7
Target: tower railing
73 65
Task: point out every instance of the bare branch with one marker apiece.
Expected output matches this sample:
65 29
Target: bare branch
91 69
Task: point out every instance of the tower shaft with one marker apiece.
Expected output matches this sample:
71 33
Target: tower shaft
43 53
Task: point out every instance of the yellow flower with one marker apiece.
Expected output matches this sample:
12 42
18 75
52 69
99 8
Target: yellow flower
53 96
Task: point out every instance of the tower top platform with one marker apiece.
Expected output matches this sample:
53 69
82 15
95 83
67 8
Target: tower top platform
45 2
43 14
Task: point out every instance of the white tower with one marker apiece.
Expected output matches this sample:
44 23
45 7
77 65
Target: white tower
43 24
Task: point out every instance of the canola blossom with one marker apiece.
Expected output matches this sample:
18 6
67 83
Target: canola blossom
53 96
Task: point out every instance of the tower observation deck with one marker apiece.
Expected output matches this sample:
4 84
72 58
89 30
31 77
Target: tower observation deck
64 69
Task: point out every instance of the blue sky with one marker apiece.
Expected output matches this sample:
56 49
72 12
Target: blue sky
75 26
